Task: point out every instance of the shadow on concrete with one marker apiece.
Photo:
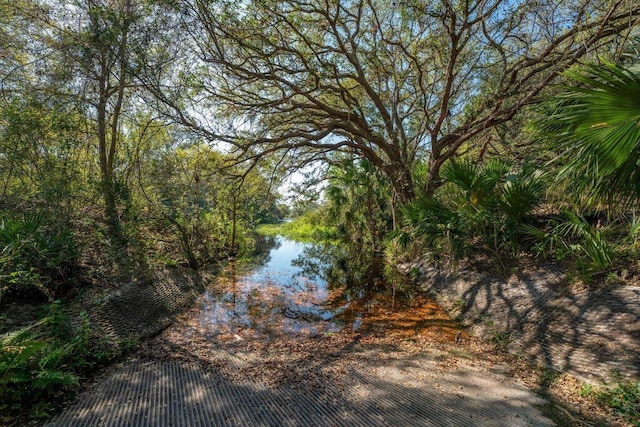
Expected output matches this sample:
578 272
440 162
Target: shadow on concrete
593 334
182 394
586 333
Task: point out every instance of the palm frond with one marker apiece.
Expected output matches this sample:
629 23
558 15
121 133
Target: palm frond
520 196
598 123
462 173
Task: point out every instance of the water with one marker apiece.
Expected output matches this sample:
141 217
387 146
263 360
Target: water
285 294
302 289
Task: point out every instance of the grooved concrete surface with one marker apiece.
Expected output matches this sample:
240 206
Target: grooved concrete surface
593 334
409 392
140 310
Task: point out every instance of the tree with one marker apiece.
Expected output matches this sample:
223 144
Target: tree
91 49
40 143
358 204
99 48
397 83
192 189
13 46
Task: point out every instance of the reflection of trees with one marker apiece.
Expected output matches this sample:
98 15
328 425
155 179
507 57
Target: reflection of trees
314 259
342 266
262 250
271 304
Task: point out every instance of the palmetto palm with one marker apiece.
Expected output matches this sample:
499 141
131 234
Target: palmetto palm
479 182
483 203
598 123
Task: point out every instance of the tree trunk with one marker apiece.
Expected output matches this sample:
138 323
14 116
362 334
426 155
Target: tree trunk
433 178
402 183
192 260
106 172
437 158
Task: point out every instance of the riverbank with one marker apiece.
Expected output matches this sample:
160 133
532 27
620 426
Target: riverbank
590 333
141 309
51 352
583 337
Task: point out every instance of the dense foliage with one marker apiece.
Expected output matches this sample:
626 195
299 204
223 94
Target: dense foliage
480 207
36 258
39 361
140 133
596 121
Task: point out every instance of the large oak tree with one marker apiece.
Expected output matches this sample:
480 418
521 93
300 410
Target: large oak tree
393 82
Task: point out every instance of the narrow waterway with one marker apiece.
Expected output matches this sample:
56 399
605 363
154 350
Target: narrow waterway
296 289
277 294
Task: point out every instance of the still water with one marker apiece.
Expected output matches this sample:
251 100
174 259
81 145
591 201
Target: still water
284 292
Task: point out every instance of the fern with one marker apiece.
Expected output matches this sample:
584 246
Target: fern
34 362
50 379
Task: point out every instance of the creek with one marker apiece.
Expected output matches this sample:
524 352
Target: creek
284 290
294 289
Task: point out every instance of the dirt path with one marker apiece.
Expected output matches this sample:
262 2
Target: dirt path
379 375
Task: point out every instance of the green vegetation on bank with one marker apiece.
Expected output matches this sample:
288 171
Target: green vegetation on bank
52 355
37 255
308 227
624 398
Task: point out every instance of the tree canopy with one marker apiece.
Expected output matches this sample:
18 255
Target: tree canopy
397 83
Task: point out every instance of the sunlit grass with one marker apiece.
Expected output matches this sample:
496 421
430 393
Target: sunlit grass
300 229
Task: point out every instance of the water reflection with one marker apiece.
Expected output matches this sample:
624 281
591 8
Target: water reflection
303 289
285 292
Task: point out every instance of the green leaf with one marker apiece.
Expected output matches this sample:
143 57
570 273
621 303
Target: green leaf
598 124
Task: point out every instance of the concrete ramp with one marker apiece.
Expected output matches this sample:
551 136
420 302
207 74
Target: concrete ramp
406 393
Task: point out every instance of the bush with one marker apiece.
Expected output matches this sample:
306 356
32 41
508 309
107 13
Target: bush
34 255
478 208
572 237
48 357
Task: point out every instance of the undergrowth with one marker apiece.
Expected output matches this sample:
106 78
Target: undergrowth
624 398
36 254
42 361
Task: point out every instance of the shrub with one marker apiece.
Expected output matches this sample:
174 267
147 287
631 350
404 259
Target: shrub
572 236
34 255
39 361
479 207
34 364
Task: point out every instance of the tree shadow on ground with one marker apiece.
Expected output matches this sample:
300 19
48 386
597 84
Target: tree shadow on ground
179 393
592 334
